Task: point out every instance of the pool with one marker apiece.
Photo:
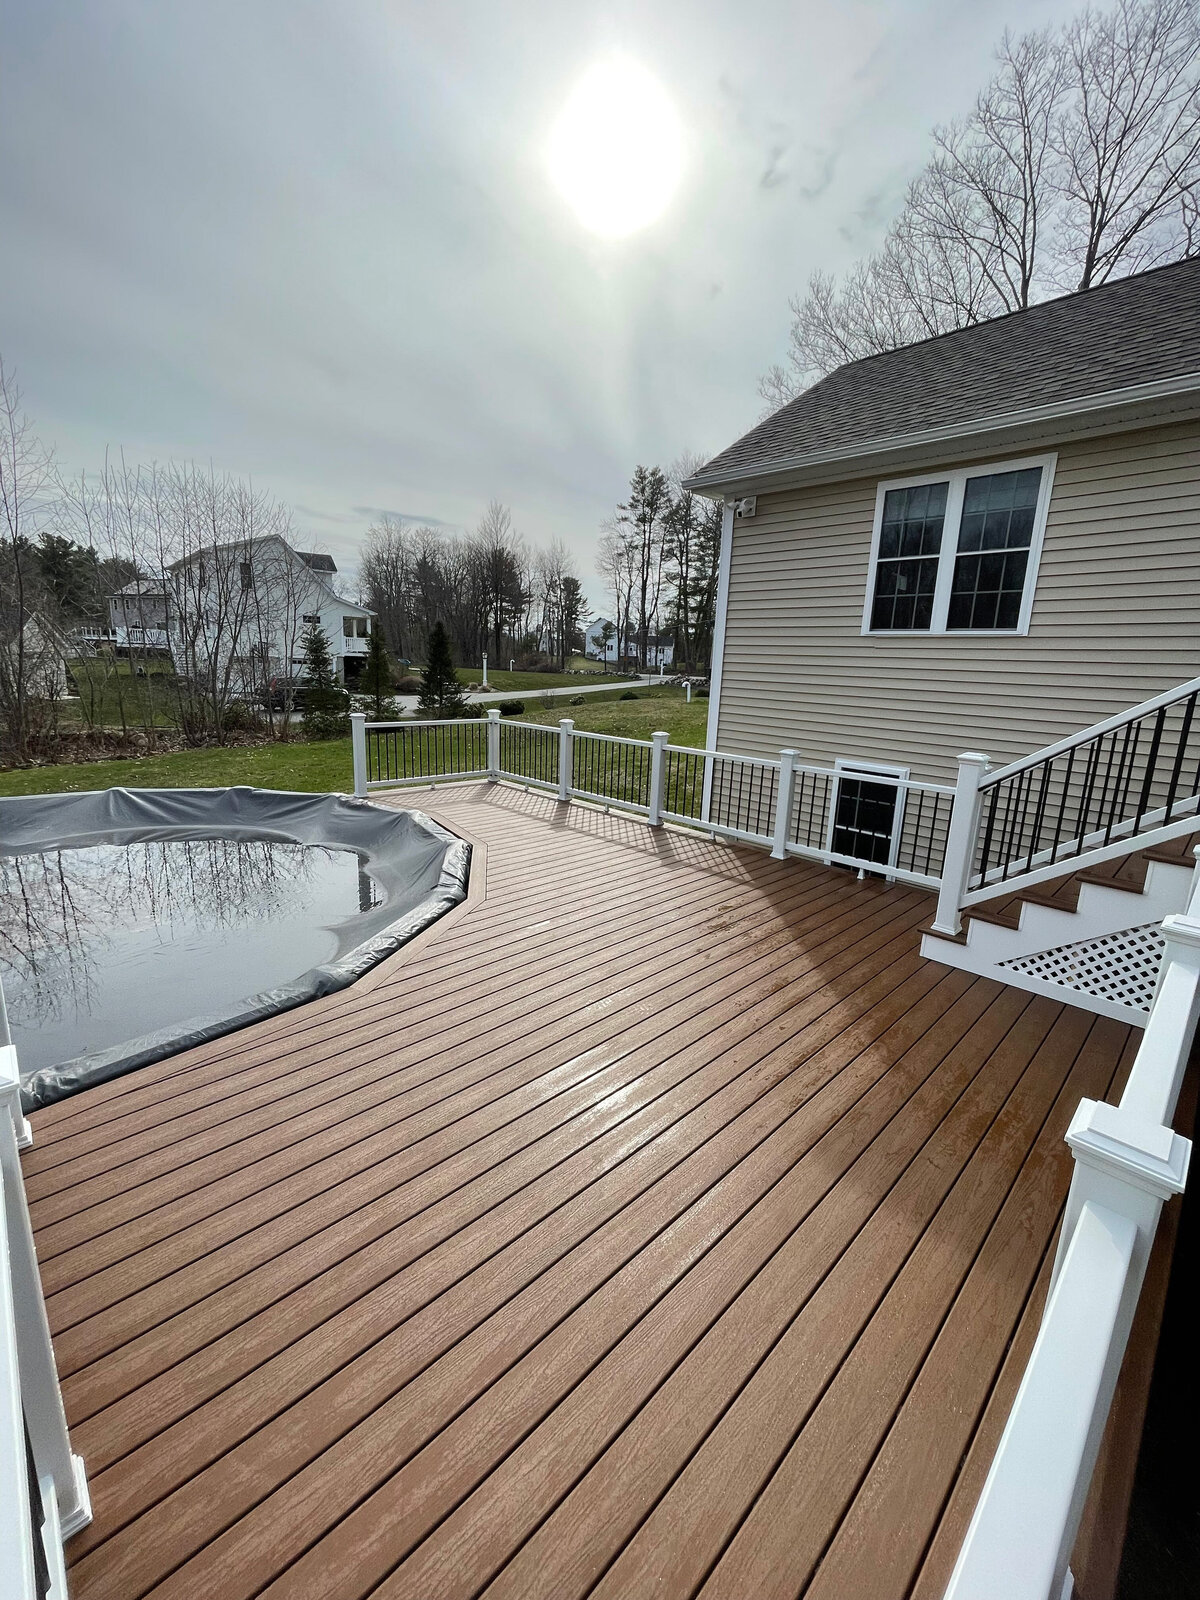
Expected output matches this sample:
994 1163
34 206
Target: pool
134 923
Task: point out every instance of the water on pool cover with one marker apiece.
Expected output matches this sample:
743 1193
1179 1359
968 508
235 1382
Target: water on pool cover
111 942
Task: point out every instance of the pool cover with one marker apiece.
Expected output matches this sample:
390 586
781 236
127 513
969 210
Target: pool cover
421 868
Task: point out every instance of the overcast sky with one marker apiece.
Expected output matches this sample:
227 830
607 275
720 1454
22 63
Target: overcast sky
316 243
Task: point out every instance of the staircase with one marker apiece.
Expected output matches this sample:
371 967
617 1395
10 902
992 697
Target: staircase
1091 937
1060 867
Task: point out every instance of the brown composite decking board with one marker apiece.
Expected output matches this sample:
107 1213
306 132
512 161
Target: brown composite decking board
631 1233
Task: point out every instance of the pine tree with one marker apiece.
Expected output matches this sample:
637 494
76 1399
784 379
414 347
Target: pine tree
376 679
441 692
324 701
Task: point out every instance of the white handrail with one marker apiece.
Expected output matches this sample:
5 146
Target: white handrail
1128 1162
30 1397
1096 731
787 770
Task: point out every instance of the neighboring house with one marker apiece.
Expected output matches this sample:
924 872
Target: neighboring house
595 646
138 615
660 648
986 541
660 651
42 653
248 605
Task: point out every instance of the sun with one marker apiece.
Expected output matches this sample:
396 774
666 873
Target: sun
616 148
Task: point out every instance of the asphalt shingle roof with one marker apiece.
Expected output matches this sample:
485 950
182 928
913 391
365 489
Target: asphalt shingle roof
1136 330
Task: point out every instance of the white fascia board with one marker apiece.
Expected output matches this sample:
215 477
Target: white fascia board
1087 409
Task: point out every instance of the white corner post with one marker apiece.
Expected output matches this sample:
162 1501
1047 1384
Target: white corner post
783 804
716 666
1128 1162
485 684
40 1396
960 842
358 747
658 776
566 757
493 743
687 691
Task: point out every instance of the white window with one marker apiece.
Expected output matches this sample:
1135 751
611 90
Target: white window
958 552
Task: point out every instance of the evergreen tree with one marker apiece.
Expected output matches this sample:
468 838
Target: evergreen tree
376 679
324 700
441 692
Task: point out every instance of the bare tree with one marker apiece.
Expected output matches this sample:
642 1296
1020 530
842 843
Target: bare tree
1080 161
617 563
30 639
1129 146
644 514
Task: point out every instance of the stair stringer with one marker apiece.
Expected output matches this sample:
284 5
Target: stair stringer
1100 911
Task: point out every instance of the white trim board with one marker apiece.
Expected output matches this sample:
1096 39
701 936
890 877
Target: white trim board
724 562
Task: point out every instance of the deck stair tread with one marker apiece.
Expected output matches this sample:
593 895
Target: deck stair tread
1127 872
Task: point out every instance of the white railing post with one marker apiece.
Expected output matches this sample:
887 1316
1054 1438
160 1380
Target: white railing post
17 1573
960 842
566 756
358 748
783 804
1128 1162
658 776
493 743
41 1396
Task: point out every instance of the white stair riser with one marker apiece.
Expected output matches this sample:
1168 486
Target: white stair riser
1099 911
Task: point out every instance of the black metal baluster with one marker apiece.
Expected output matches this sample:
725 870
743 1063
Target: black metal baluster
1180 754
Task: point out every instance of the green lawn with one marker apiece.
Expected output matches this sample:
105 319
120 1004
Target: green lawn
325 766
112 696
654 710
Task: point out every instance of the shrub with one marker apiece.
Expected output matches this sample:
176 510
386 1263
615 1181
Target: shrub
511 708
629 695
409 685
577 700
441 692
701 694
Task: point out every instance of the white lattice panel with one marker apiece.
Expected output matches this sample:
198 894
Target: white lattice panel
1121 968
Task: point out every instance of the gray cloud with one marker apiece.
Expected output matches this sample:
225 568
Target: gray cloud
317 244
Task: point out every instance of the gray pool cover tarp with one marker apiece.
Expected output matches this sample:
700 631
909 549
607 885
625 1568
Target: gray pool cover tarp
421 867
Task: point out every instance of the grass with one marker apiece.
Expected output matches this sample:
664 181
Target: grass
111 696
325 767
654 710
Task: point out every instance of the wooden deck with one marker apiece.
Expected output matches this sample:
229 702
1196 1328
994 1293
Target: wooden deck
658 1224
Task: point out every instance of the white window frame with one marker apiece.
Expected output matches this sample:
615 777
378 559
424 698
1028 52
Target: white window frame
957 477
849 767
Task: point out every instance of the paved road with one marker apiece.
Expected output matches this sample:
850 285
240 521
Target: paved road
408 702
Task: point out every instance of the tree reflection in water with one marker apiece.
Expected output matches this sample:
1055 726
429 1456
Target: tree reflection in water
78 927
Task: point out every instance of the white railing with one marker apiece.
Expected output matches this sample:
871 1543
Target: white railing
43 1487
1127 783
787 805
1128 1161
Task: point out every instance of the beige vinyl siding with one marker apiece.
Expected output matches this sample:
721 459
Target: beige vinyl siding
1116 619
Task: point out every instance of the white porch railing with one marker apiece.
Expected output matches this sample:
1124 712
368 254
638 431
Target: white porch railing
1128 1160
43 1488
789 806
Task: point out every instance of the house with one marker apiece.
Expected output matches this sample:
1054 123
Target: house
138 615
597 645
986 541
660 648
248 604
